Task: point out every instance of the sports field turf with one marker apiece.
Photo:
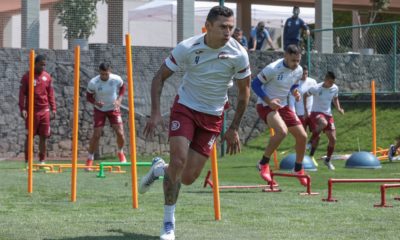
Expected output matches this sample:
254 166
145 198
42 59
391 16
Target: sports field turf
104 206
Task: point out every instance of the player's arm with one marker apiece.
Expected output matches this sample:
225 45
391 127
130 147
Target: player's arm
305 96
294 90
232 136
52 100
23 91
337 105
121 93
157 85
256 85
91 95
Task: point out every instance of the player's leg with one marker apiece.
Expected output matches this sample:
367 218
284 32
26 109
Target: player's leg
274 121
116 123
331 134
99 120
43 130
319 123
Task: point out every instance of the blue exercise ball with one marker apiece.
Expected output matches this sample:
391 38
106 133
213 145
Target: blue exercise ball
287 163
363 160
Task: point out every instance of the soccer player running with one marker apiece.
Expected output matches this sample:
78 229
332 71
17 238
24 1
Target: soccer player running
321 114
272 86
305 83
44 105
105 92
211 61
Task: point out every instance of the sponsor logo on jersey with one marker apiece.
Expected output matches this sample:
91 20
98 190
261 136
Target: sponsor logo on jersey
223 55
44 78
198 52
175 125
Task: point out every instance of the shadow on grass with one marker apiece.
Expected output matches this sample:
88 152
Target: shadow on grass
125 235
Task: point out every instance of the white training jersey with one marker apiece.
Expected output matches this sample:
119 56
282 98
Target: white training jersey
323 98
277 80
105 91
208 72
304 86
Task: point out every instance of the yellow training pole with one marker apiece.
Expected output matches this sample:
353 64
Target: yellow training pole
30 118
214 172
131 97
74 169
276 163
373 117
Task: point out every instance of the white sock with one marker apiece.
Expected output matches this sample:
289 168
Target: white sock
90 156
169 213
160 171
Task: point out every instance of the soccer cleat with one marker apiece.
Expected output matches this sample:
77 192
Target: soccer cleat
89 163
121 157
265 173
303 181
391 152
329 165
150 177
168 231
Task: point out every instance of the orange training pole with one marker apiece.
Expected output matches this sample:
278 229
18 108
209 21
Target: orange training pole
131 97
373 117
276 163
30 118
214 172
75 125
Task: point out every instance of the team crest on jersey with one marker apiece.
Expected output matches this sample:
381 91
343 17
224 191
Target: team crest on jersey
175 125
199 51
223 55
44 78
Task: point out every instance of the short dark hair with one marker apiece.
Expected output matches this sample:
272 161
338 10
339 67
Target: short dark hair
40 58
238 30
104 66
330 75
217 11
305 68
293 49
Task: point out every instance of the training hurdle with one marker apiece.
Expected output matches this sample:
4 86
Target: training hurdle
331 181
58 168
208 181
103 165
293 175
383 194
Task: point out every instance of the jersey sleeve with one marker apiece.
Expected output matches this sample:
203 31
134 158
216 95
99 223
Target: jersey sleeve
176 59
266 74
23 91
50 95
242 67
91 87
313 90
304 24
266 33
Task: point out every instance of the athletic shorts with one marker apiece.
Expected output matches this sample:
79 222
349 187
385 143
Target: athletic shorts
288 116
114 117
199 128
315 116
41 123
306 122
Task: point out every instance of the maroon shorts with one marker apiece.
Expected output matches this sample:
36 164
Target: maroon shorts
114 117
306 122
41 123
315 116
200 129
288 115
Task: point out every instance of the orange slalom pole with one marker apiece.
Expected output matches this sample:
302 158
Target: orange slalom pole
30 118
214 172
373 110
276 163
74 170
131 97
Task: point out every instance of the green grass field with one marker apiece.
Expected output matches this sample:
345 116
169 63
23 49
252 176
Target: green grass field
104 206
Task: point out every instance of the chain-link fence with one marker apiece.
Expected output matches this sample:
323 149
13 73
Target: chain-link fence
357 55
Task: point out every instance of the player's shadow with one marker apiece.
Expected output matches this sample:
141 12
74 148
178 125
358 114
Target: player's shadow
123 236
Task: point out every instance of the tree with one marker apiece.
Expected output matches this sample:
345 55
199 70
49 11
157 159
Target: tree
79 17
377 6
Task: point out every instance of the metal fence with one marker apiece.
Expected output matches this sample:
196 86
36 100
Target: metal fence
357 55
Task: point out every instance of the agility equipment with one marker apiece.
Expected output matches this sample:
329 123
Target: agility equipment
363 160
383 195
287 163
331 181
103 165
208 182
271 186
